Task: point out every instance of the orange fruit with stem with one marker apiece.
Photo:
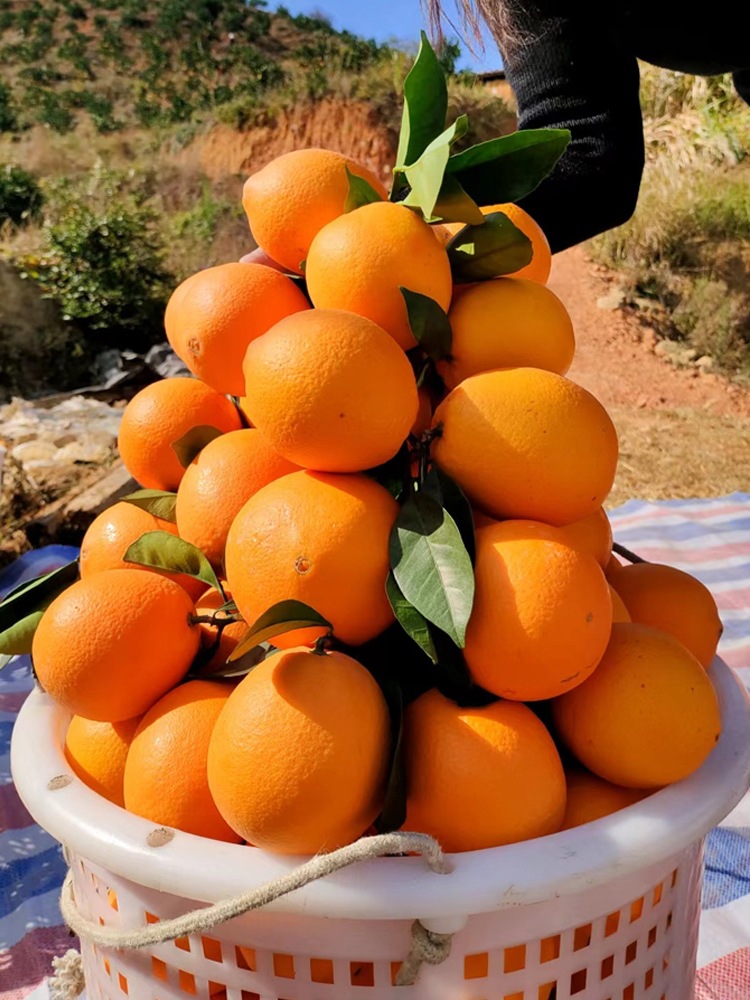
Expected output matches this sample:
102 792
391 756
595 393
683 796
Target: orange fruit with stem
360 261
109 646
504 323
215 313
165 774
293 197
222 641
298 757
220 479
319 538
542 612
97 751
480 777
646 717
111 534
619 612
160 415
527 443
672 600
315 387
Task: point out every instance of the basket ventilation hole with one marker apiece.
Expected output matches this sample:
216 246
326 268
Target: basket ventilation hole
395 969
515 958
669 920
652 937
151 918
578 982
123 983
549 949
321 970
612 924
629 992
665 962
246 995
582 937
187 982
101 921
658 893
630 952
362 973
112 899
283 966
159 969
107 967
211 949
476 966
674 878
608 967
182 943
513 996
648 982
217 991
636 909
546 992
245 958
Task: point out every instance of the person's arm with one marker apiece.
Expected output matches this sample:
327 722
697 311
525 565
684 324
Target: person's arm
567 73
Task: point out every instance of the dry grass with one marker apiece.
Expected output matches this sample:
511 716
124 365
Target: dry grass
674 454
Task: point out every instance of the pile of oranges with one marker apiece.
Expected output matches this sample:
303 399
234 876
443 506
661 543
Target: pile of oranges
417 533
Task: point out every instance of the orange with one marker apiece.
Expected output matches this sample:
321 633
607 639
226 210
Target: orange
359 261
646 717
319 538
480 777
614 565
111 533
330 390
288 201
508 322
539 267
674 601
526 443
542 612
108 646
231 634
222 476
590 798
214 314
619 612
298 757
97 751
158 416
165 774
592 534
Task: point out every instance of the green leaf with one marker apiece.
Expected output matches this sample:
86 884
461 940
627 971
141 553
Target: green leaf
496 247
17 639
414 624
446 492
360 192
431 565
157 502
455 205
425 105
429 323
162 550
5 659
425 176
191 444
393 815
35 595
286 616
509 167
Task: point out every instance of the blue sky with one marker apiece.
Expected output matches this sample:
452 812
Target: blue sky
388 20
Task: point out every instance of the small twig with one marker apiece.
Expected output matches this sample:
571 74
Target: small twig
627 554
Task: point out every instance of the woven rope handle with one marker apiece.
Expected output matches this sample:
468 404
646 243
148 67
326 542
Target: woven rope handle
207 917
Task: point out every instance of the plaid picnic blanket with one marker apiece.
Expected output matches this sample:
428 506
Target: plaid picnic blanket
709 538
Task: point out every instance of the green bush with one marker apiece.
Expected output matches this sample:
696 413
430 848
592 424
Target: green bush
8 114
20 196
102 261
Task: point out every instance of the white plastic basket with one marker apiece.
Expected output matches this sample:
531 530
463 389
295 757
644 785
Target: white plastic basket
608 911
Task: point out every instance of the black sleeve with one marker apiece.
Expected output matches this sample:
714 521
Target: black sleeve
566 73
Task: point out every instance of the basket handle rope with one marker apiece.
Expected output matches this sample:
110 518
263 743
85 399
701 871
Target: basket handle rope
427 946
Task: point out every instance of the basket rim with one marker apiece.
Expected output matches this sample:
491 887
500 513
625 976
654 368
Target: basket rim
560 864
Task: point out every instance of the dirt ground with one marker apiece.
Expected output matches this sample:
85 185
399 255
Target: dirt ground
682 433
